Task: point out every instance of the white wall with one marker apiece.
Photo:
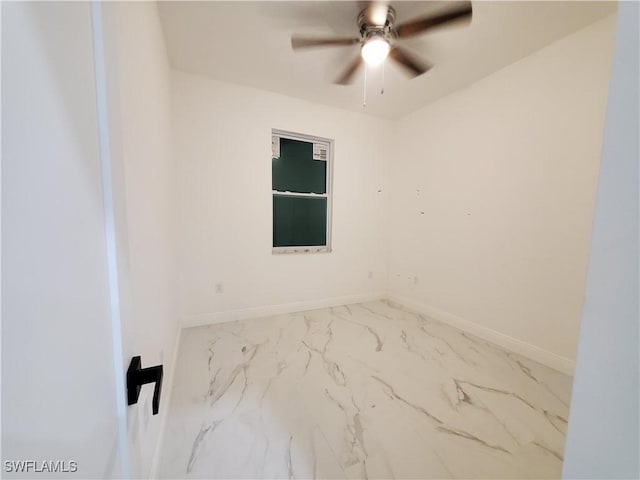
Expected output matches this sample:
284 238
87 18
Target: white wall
145 185
493 197
223 144
58 387
602 440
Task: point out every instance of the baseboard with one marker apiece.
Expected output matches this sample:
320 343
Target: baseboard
533 352
269 310
529 350
167 389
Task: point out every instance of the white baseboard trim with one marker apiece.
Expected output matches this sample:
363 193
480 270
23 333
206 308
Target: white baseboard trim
550 359
269 310
167 388
529 350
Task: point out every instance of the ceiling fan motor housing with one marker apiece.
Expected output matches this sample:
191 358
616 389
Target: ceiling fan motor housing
370 30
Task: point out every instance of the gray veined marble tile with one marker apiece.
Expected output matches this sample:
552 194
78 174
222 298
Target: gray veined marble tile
360 391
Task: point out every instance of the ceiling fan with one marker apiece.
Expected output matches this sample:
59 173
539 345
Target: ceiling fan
379 36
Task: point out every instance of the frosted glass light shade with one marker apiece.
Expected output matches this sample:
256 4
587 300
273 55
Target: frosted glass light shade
375 51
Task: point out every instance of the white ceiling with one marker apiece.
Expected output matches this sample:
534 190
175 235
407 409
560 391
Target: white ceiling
248 43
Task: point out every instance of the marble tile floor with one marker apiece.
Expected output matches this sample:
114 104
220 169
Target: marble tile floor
370 390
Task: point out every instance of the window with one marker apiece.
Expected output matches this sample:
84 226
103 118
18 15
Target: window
301 191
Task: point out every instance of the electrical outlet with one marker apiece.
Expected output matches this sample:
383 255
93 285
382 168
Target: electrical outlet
415 280
370 274
219 287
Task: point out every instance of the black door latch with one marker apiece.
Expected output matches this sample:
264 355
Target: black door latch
138 376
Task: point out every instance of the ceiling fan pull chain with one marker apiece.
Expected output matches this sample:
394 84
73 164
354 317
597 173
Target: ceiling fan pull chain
382 88
364 91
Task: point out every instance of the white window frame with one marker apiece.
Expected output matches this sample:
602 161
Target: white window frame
328 195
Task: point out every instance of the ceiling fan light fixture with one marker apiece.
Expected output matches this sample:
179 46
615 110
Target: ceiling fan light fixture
380 37
375 50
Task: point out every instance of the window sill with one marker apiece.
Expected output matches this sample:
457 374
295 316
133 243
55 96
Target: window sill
286 250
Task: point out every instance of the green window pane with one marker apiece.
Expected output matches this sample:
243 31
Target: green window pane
296 170
299 221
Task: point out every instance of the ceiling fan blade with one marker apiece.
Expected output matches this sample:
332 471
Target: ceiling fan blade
306 42
412 64
375 11
348 74
461 12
